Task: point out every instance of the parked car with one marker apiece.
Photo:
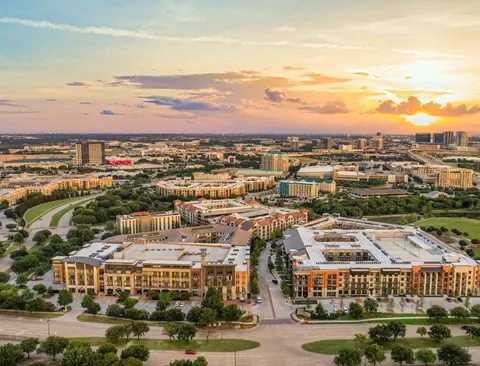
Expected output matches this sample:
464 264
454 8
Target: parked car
182 304
407 300
459 299
259 300
190 352
177 304
275 281
449 299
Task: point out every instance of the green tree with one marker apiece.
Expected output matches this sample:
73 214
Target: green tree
29 345
79 354
348 357
194 314
138 351
208 317
87 300
115 310
255 287
380 333
460 313
65 297
139 329
93 308
10 354
53 346
170 330
115 333
437 312
425 356
421 331
375 354
131 361
439 332
370 305
232 313
186 332
4 277
22 279
401 354
454 355
475 311
355 310
129 303
162 304
109 359
107 348
40 288
397 328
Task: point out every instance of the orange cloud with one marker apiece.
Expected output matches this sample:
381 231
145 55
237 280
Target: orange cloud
413 106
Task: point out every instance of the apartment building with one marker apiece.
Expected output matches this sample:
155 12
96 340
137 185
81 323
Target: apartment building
275 160
258 219
304 189
17 187
186 260
462 138
140 222
90 153
334 257
454 178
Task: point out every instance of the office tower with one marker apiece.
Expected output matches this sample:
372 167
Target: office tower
361 144
454 178
376 142
90 153
294 143
325 143
462 138
438 138
448 138
423 138
275 160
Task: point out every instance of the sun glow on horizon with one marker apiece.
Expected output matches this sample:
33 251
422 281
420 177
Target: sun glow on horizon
421 119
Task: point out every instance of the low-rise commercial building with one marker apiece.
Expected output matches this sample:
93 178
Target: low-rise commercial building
258 219
305 189
334 257
140 222
186 260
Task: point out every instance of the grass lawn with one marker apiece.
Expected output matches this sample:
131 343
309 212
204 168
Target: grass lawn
102 319
387 219
38 211
25 314
57 216
470 226
214 345
332 346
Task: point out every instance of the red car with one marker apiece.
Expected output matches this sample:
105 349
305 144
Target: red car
190 352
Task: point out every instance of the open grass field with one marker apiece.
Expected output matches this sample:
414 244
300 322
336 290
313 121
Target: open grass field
214 345
38 211
470 226
332 346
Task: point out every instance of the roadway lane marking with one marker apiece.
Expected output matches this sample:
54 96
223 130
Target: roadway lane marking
21 332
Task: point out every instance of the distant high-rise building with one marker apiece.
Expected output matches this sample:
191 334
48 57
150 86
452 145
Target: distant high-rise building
325 143
438 138
423 138
448 138
294 143
275 160
90 153
462 138
361 144
376 142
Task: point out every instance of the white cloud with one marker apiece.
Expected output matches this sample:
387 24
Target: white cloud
286 28
424 53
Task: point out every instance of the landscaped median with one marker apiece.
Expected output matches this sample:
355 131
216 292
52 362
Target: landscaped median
57 216
213 345
332 346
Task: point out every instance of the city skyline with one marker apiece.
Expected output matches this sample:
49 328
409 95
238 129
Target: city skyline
250 67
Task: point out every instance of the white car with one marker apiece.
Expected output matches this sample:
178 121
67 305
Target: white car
182 304
177 304
194 303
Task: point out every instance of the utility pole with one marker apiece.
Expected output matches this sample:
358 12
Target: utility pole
48 326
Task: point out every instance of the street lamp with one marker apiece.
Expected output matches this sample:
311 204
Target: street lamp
48 326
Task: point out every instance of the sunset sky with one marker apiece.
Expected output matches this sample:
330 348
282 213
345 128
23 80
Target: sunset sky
281 66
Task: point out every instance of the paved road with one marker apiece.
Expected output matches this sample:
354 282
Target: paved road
280 343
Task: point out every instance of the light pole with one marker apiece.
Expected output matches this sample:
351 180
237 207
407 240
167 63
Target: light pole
48 326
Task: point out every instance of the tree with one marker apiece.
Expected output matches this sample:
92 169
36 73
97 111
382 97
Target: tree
162 304
139 329
200 361
439 332
232 313
255 287
194 314
79 354
320 312
170 330
370 306
454 355
380 333
375 354
106 348
115 333
475 311
130 303
401 354
109 359
355 310
22 280
94 308
10 354
174 315
348 357
131 361
40 288
460 312
65 297
425 356
29 345
53 345
421 331
398 329
138 351
124 295
87 300
437 312
4 277
115 310
186 332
